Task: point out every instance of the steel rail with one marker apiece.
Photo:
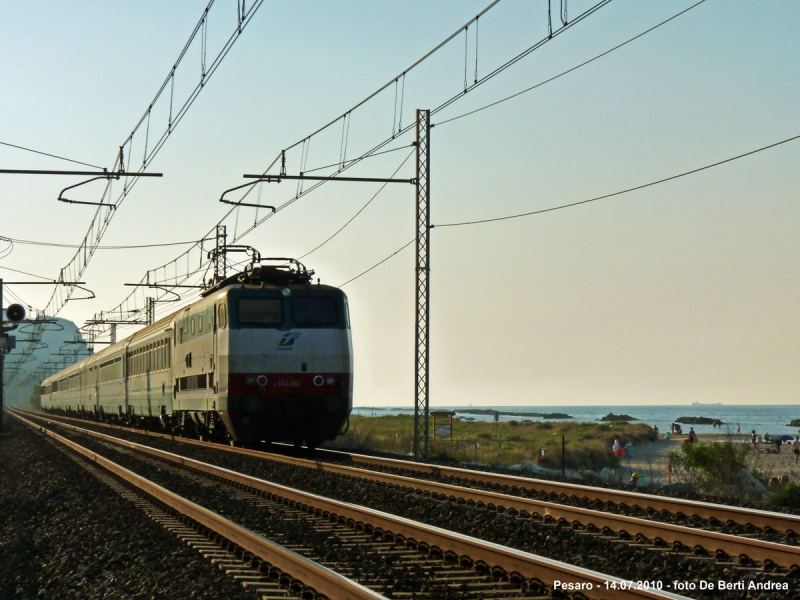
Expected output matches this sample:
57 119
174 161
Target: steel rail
509 560
323 580
667 533
707 510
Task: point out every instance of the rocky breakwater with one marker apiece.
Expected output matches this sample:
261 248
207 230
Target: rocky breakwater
699 421
611 417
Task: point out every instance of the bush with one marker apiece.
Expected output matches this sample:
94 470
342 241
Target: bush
514 423
514 438
594 455
787 495
719 462
484 435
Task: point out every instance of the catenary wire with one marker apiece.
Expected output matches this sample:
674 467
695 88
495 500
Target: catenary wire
360 210
601 3
126 247
26 273
625 191
7 289
575 68
238 235
305 172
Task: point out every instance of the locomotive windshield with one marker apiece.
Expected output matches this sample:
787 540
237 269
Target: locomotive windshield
260 311
315 311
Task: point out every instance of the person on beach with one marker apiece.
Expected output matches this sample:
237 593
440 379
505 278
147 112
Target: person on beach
655 430
753 438
796 448
619 451
692 435
738 428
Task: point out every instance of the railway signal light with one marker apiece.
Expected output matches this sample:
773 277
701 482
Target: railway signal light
15 312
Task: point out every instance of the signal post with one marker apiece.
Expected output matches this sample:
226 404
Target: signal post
14 314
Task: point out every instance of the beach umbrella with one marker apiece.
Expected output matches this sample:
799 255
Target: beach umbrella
784 438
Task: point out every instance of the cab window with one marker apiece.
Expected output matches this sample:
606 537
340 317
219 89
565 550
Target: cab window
315 311
260 311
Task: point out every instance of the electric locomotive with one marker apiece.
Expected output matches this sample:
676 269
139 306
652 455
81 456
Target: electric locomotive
264 355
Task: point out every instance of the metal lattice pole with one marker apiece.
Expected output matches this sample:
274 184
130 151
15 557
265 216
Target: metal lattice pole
220 267
151 310
422 400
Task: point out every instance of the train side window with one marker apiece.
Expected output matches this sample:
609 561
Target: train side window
200 323
192 325
223 317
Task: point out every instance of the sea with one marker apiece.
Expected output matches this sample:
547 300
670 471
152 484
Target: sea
772 419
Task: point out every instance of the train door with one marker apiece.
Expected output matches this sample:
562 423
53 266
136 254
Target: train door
148 358
214 351
166 396
96 372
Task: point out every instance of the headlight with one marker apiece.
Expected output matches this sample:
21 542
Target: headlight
250 380
262 380
330 381
318 380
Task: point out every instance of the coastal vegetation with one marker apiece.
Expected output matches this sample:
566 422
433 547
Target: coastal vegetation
712 463
586 445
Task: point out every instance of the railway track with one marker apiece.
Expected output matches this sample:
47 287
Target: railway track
464 566
662 534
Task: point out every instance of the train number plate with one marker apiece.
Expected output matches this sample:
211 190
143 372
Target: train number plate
287 383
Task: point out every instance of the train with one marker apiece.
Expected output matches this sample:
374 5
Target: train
263 356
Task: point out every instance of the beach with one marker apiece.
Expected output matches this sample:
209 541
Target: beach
651 459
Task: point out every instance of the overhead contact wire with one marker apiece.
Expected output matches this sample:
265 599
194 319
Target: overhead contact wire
575 68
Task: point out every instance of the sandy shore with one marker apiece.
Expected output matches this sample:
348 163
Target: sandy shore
651 458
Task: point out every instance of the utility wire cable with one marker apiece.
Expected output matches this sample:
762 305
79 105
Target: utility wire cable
77 162
378 264
625 191
575 68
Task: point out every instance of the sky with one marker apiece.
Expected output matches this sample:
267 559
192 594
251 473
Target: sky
682 292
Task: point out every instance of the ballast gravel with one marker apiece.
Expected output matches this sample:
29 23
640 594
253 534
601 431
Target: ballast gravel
64 534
